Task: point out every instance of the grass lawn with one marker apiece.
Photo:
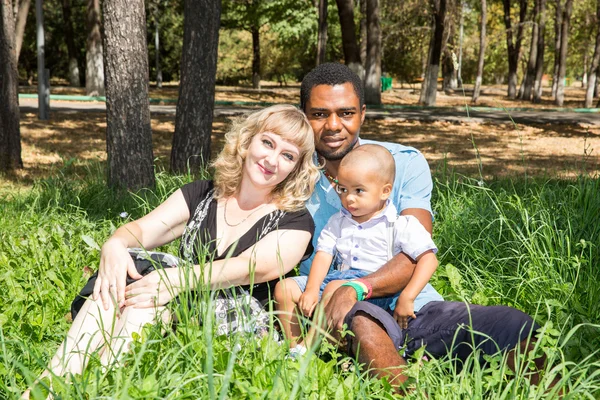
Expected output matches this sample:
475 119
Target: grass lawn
531 243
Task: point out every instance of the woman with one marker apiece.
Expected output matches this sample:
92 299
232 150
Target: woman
253 208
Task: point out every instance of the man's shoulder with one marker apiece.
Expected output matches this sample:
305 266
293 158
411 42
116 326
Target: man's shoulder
396 149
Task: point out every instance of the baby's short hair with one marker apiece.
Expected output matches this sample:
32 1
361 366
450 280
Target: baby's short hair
375 158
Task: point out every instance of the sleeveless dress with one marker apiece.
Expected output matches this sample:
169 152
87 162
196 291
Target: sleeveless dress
199 239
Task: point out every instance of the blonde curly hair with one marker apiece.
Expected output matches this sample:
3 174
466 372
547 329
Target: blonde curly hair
292 125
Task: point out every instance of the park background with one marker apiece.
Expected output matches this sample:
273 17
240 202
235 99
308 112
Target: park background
516 186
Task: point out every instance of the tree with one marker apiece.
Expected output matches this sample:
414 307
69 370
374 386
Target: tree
128 132
70 41
373 72
249 15
481 57
593 72
513 43
539 63
349 42
429 87
564 44
21 22
322 33
94 72
10 134
449 72
193 124
529 79
558 15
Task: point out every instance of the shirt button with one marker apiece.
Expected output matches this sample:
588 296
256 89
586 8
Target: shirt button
355 258
356 246
359 228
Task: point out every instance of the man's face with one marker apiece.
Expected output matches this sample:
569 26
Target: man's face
335 114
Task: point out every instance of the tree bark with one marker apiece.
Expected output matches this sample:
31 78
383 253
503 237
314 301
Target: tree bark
449 72
322 33
255 30
564 46
429 88
10 134
21 22
373 72
349 42
557 41
513 44
539 63
363 33
593 71
481 58
193 124
69 39
94 72
529 79
128 132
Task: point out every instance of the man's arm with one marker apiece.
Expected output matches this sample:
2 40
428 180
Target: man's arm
388 280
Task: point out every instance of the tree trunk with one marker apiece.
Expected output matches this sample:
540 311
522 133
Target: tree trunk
429 88
513 45
255 57
539 63
322 33
128 132
157 52
449 72
363 33
481 58
21 22
94 72
564 46
69 39
193 124
373 72
557 41
529 79
592 75
10 134
349 42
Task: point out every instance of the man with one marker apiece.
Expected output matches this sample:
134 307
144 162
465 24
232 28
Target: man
332 98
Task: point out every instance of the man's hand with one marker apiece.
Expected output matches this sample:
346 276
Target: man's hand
340 303
307 302
405 308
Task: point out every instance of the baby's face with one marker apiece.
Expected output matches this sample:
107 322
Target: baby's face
362 192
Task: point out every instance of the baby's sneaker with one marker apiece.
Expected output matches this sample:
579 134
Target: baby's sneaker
296 352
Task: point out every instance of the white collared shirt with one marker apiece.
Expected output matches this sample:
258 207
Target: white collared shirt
365 246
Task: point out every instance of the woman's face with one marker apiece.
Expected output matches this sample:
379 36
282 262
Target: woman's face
270 159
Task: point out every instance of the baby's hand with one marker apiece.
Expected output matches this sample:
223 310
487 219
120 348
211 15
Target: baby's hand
307 303
405 308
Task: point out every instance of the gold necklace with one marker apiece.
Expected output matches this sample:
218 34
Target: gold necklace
242 221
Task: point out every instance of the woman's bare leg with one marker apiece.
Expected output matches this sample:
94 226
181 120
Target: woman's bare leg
90 330
132 320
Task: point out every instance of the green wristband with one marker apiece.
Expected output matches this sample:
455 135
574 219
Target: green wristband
360 292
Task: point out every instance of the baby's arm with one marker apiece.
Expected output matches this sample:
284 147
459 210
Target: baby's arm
405 306
318 270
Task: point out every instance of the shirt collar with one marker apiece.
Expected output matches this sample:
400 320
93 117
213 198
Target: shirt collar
389 212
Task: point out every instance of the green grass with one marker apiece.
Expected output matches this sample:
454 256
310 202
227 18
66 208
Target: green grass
528 243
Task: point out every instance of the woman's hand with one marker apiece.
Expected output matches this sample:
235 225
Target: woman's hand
155 289
115 264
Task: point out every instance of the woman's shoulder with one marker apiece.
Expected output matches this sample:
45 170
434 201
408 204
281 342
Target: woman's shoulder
298 220
196 191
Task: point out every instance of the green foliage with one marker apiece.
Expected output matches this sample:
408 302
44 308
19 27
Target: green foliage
532 244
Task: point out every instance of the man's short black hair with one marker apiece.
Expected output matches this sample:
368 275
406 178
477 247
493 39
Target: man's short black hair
330 74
